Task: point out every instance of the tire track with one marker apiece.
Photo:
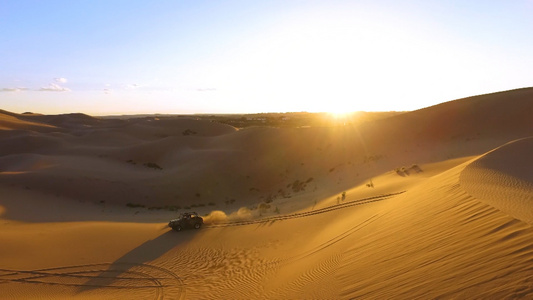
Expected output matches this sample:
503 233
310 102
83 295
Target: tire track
158 280
336 239
322 270
326 244
306 214
228 275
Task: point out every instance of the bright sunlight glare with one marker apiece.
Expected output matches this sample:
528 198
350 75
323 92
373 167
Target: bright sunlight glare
334 65
259 56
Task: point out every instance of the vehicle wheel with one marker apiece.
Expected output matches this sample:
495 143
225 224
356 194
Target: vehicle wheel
177 228
197 225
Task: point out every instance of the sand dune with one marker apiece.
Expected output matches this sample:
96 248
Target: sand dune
436 205
503 178
10 122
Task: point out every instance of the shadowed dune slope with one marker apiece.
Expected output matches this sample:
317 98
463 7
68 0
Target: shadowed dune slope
503 178
183 161
492 115
465 125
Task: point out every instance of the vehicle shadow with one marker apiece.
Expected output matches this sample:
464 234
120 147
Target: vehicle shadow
136 261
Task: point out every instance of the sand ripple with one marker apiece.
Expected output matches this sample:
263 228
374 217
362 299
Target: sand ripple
503 178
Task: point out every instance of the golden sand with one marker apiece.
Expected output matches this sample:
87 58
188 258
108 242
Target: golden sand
435 203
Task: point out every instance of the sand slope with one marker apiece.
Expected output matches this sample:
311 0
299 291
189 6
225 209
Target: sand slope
440 242
432 208
503 178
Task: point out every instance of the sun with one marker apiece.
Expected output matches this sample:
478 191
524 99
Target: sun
338 115
339 110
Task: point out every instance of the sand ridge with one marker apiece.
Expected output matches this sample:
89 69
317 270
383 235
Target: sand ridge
503 179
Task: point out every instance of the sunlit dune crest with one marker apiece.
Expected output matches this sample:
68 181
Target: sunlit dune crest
433 203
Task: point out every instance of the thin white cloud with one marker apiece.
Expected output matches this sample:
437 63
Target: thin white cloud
53 87
17 89
60 80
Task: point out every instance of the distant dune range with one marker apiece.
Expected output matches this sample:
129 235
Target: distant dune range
103 160
437 203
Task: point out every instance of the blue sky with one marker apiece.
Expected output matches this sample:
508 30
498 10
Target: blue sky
122 57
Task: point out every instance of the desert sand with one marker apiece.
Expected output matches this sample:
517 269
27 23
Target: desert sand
433 203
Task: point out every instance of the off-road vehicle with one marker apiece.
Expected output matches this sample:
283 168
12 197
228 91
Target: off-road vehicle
186 220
